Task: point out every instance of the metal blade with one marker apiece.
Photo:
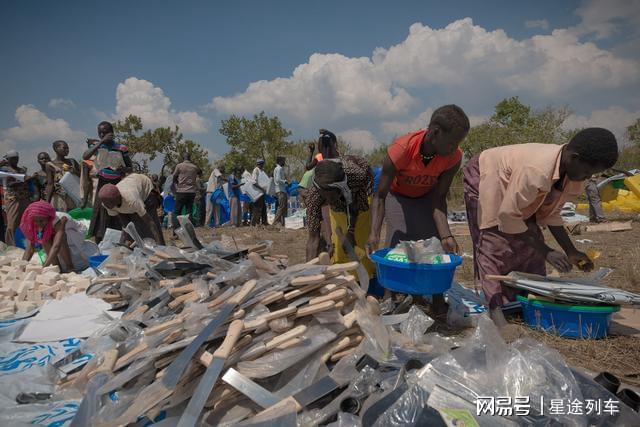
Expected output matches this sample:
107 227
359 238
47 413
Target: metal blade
177 367
253 391
190 416
315 391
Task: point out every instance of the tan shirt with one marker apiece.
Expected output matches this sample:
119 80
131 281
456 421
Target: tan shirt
516 182
134 189
186 177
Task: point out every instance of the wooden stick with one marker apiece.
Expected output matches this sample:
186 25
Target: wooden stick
271 297
108 363
499 277
317 308
182 289
313 279
333 296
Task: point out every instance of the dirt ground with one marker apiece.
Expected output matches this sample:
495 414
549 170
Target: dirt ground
620 251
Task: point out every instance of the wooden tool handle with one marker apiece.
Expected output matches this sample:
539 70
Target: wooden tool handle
244 291
135 313
272 297
279 407
289 343
133 353
163 326
308 280
341 268
233 334
182 289
265 318
499 277
332 296
108 362
316 308
293 333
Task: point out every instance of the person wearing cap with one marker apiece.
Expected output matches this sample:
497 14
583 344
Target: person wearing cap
134 199
185 182
16 194
259 207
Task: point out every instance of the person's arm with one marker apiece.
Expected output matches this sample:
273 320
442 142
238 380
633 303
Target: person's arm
377 207
59 238
76 167
91 151
50 183
440 219
522 191
577 258
125 239
28 252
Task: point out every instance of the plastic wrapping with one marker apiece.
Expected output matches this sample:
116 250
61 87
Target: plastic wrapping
407 410
537 371
110 240
416 324
91 401
377 337
346 420
285 417
299 376
277 361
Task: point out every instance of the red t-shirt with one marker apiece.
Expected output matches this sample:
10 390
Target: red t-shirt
413 178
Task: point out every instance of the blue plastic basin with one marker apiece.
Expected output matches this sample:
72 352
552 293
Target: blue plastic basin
96 260
412 278
566 320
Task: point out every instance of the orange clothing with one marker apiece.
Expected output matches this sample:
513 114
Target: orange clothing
413 178
516 182
319 157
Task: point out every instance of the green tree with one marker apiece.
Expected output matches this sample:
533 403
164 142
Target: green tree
249 139
164 143
516 123
633 132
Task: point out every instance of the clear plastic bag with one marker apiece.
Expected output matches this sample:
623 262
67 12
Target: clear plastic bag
416 324
377 337
346 420
277 361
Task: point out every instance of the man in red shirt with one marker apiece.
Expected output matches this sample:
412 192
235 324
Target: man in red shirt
416 176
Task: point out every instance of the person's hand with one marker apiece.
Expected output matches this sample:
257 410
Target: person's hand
372 243
351 238
312 147
107 137
581 260
559 261
450 245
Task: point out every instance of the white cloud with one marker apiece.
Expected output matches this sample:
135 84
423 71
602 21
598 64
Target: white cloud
62 103
606 18
36 131
537 23
360 139
463 62
143 99
614 118
328 86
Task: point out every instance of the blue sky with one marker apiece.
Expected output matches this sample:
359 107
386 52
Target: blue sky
367 69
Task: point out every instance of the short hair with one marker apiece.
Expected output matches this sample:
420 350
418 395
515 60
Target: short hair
43 153
596 147
327 172
450 117
280 159
106 124
58 142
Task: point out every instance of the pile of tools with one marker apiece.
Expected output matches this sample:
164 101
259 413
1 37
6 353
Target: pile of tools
224 341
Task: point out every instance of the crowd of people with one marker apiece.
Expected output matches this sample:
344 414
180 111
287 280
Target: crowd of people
510 193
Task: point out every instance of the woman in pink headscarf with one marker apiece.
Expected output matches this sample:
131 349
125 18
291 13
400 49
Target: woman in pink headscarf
59 235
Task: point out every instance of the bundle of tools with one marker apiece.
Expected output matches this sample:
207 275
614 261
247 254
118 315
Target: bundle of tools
224 341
